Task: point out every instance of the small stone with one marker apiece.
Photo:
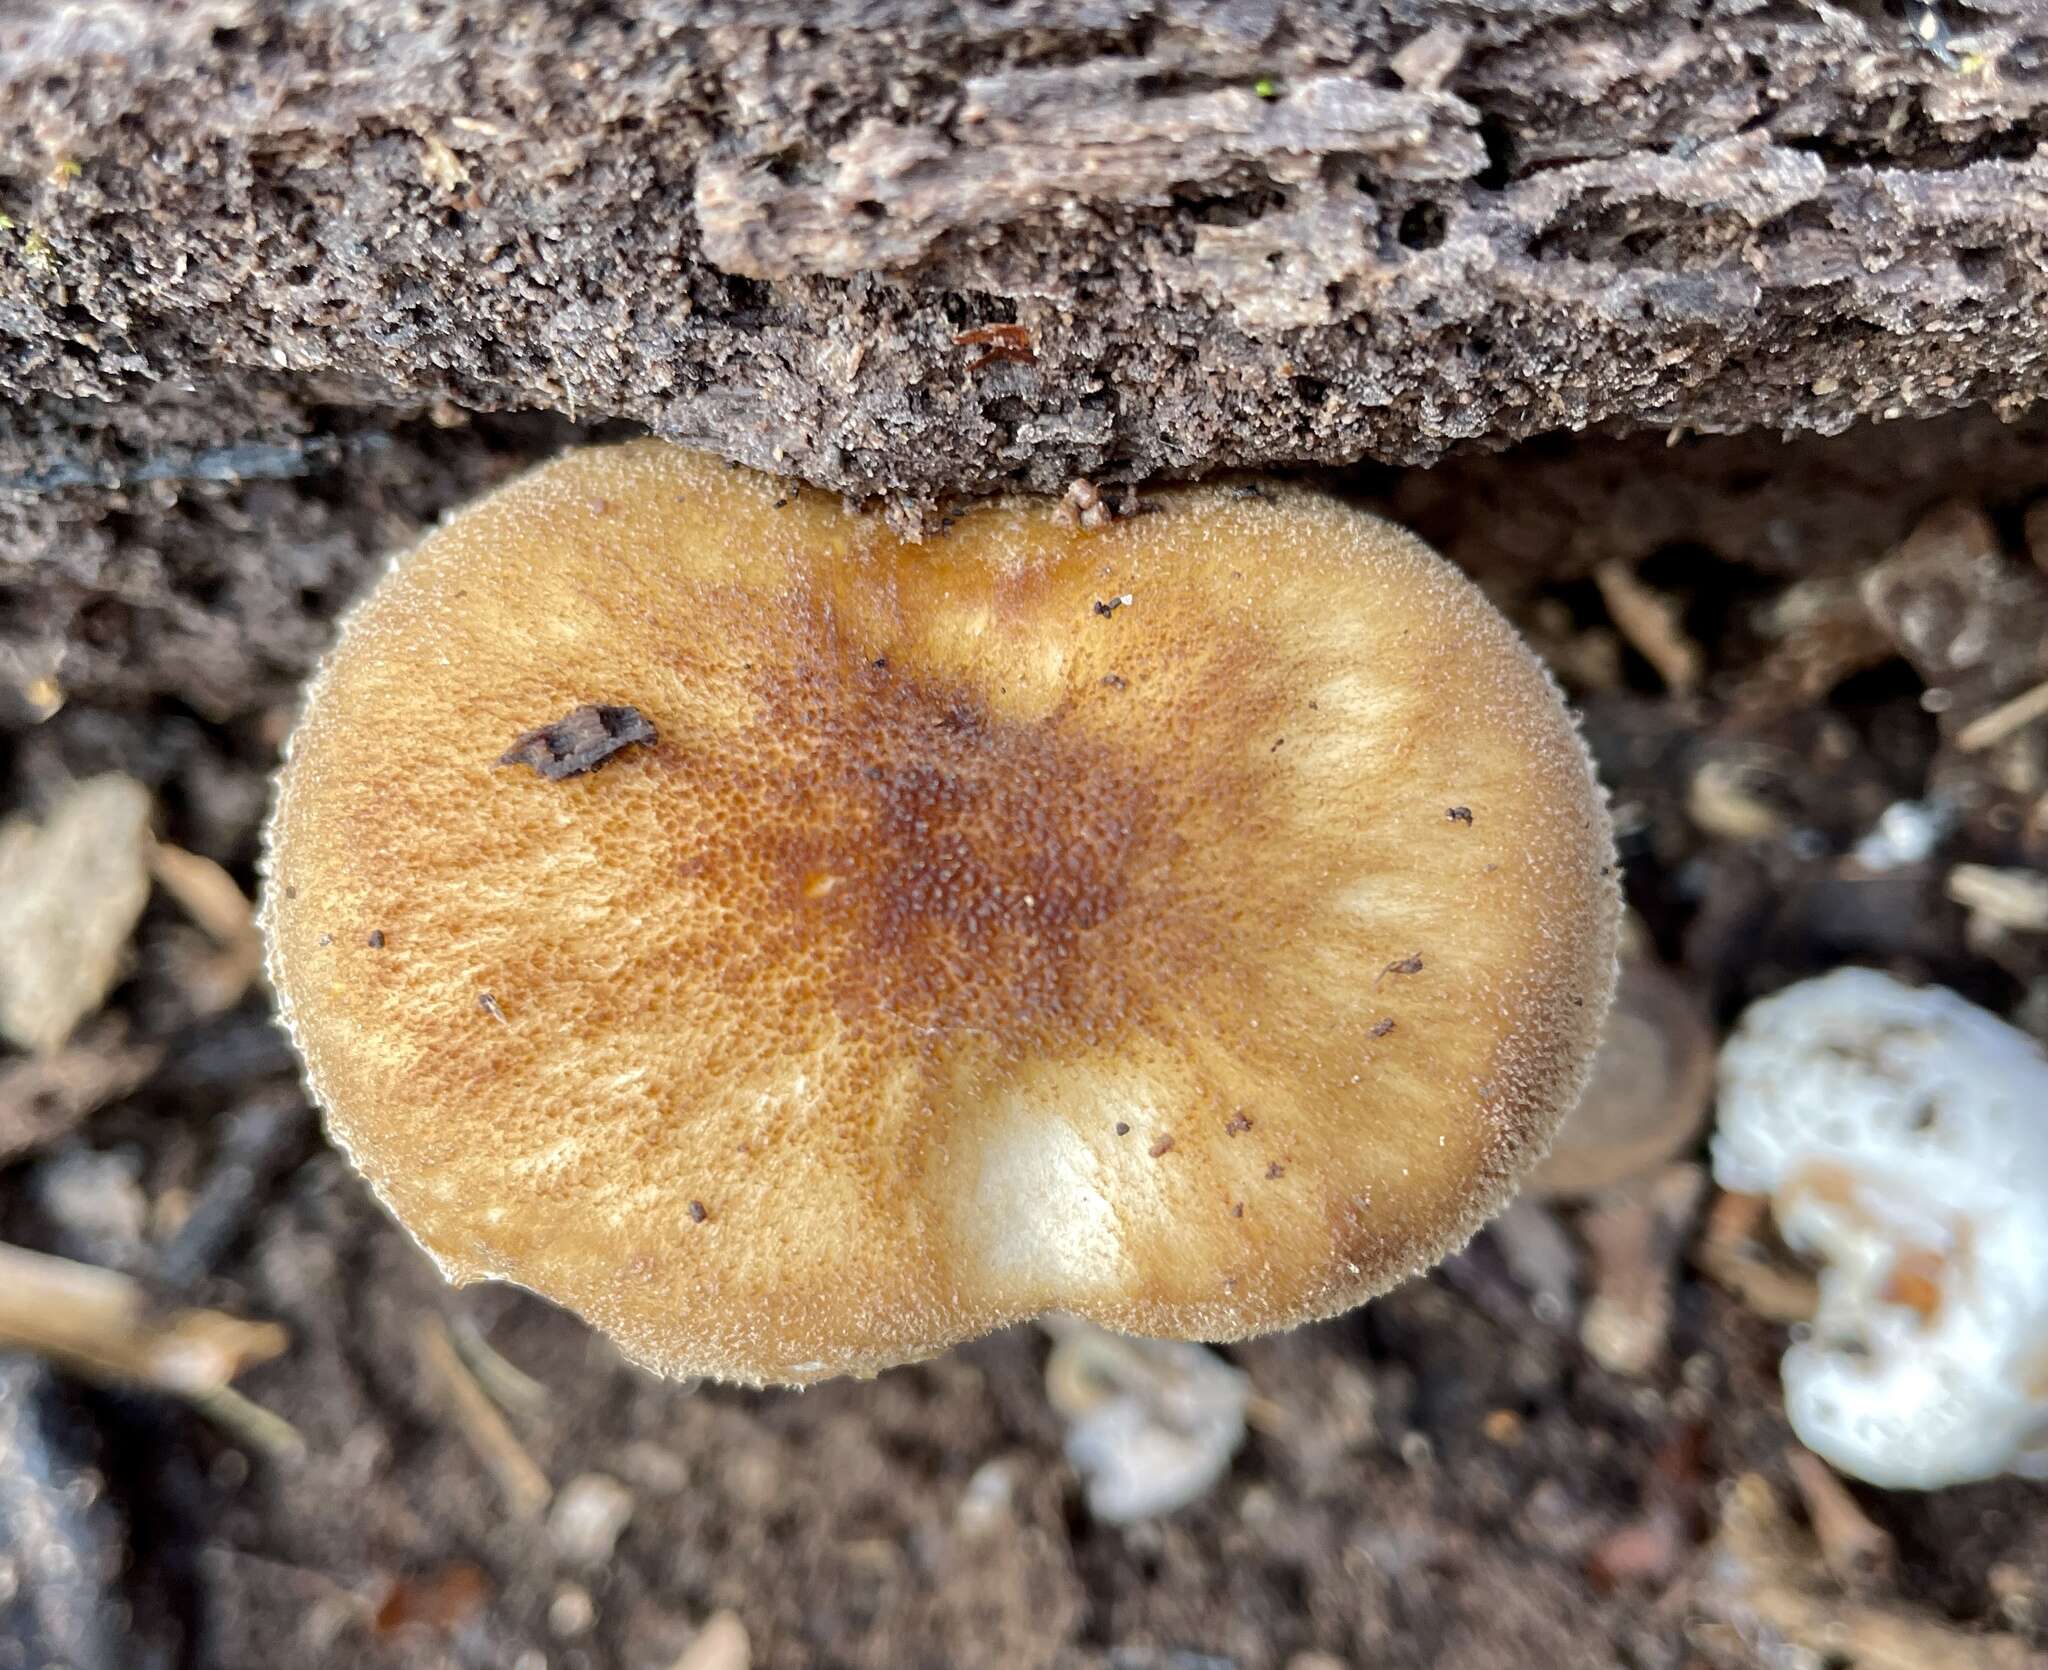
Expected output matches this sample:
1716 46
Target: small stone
571 1612
653 1467
590 1514
722 1644
985 1503
71 891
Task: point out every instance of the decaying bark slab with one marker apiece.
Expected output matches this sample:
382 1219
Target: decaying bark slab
1232 232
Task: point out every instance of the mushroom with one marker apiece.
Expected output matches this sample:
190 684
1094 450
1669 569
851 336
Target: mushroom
943 948
1651 1083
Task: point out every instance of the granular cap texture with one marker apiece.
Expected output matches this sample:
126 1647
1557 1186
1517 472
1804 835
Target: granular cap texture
1196 923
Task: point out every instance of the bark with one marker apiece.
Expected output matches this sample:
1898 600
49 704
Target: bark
1235 232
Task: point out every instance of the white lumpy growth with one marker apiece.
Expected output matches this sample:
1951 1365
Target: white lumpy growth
1902 1135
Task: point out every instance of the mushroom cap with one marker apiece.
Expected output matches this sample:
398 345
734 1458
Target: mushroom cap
1197 924
1649 1088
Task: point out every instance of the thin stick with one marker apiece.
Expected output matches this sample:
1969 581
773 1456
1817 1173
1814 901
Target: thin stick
519 1479
509 1386
2003 720
99 1323
1652 623
248 1422
1854 1549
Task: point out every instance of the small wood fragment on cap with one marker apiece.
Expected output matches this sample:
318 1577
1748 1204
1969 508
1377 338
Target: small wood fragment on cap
581 740
1009 344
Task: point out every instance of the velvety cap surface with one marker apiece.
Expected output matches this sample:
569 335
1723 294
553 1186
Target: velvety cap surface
1196 923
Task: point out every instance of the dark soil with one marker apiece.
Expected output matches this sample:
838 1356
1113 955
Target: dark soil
1435 1481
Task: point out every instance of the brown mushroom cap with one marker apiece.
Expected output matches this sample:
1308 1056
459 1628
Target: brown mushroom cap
1649 1088
966 944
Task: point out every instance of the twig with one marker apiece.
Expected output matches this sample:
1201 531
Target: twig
98 1323
509 1386
2003 720
205 892
1858 1553
1729 1252
519 1479
1634 1235
208 895
247 1421
1652 623
2008 898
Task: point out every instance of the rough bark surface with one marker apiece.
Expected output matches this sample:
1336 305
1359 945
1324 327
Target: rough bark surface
1232 232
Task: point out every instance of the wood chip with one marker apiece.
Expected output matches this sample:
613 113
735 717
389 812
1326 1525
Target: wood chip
520 1481
1009 344
71 892
204 891
1966 615
43 1096
1720 802
2009 898
1652 623
443 1600
581 740
216 982
1821 633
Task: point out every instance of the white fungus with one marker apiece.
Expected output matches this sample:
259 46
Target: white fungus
1902 1136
